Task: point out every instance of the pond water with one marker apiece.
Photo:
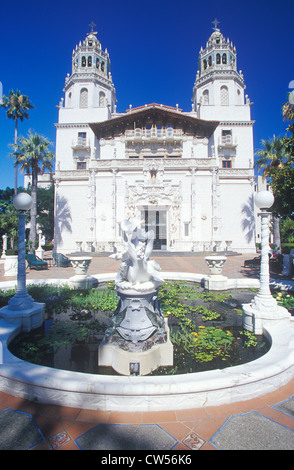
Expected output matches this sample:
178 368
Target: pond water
206 330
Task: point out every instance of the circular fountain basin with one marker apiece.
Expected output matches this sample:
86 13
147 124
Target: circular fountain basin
151 393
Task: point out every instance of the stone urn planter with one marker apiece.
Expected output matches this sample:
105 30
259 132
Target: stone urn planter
215 280
215 264
81 280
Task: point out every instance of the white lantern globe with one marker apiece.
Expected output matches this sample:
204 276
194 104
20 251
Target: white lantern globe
264 199
22 202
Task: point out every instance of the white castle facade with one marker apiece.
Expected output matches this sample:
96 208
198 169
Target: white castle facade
188 175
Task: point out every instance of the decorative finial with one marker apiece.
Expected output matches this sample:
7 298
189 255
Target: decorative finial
215 22
92 25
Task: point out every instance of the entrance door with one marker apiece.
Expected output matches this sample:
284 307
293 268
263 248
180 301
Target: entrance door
156 220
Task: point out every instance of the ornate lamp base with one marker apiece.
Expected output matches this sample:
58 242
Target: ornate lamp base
28 317
254 318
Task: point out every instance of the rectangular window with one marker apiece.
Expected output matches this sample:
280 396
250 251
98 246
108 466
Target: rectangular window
186 229
227 164
81 165
82 138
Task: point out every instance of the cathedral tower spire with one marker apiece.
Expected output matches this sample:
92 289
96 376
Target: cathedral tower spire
89 88
218 82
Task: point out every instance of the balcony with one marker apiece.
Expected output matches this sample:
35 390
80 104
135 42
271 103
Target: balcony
227 141
154 134
81 143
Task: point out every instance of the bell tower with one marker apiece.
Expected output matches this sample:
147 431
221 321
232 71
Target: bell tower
219 87
218 94
89 90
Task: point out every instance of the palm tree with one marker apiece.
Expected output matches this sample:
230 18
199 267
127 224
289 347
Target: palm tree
271 157
33 156
16 106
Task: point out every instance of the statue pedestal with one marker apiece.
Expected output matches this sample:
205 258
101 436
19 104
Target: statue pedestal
216 282
137 340
136 359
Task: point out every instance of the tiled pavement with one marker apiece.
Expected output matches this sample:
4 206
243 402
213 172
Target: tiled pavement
264 423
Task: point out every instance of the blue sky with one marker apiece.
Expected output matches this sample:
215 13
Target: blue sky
153 49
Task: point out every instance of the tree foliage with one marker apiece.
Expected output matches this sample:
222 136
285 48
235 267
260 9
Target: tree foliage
33 156
45 211
17 106
8 217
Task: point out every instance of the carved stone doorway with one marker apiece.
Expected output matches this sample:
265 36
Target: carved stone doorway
155 219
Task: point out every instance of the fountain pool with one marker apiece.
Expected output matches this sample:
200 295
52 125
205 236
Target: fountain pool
151 393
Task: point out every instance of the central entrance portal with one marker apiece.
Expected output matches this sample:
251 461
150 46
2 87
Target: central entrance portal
156 220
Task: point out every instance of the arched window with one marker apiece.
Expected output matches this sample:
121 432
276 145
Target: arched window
69 100
239 98
102 66
84 98
224 94
210 61
224 58
84 61
206 97
204 64
89 61
218 58
97 63
102 99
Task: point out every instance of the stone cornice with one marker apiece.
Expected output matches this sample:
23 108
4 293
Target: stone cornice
219 75
236 123
69 125
184 164
89 78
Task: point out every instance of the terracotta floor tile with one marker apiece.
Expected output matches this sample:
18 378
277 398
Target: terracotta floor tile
77 429
159 417
191 415
222 410
181 446
279 417
42 446
71 445
69 413
191 424
58 411
249 405
11 402
48 426
276 396
207 428
125 418
177 430
33 408
95 417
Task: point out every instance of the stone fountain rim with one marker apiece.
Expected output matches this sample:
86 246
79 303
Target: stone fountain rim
153 393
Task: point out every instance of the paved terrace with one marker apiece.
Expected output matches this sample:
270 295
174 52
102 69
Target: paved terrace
264 423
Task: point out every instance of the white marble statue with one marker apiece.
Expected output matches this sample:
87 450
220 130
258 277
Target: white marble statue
137 271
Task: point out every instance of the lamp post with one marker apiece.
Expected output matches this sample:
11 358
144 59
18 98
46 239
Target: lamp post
263 307
264 300
22 203
21 308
